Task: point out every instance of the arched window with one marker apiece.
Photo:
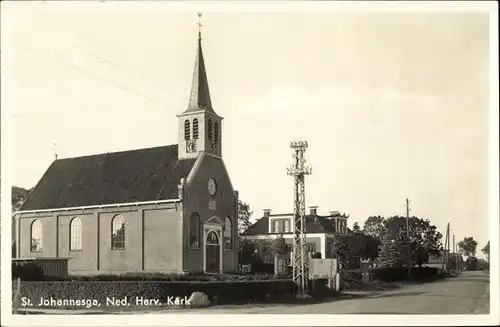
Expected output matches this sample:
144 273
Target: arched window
195 129
228 234
118 233
212 238
187 130
75 234
216 131
194 231
36 236
209 129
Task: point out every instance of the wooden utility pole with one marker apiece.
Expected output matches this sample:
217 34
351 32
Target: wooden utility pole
409 260
446 249
455 261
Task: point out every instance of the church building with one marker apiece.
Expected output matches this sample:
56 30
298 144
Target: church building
169 209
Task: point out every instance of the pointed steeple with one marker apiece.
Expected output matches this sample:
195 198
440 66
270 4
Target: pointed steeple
200 94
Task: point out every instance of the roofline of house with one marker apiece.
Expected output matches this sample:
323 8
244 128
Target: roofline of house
99 206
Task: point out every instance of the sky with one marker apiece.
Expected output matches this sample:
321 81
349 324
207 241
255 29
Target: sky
393 105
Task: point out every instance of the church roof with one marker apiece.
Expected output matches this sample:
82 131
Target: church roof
314 224
200 93
110 178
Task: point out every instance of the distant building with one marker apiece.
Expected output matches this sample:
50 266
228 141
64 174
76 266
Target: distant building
167 209
321 231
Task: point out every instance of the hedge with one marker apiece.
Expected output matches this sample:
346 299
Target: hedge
220 292
391 274
27 271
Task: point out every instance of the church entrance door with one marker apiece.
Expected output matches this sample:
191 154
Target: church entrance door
212 245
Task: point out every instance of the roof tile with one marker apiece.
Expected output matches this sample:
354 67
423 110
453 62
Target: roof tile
120 177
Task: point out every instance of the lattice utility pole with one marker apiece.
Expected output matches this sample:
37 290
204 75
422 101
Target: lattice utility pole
298 170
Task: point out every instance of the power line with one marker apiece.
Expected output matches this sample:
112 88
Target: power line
99 77
109 62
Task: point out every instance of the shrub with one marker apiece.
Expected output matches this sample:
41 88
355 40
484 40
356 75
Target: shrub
29 271
390 274
225 292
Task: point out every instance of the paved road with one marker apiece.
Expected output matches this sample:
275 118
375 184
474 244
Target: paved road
465 294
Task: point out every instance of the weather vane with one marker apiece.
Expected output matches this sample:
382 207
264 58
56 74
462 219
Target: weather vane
199 24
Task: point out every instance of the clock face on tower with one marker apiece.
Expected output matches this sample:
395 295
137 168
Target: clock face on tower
212 186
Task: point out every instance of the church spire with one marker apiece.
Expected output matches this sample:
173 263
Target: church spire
200 93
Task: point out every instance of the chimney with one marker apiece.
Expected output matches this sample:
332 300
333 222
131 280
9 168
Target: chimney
267 212
313 210
180 188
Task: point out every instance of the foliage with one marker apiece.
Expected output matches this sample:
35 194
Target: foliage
424 239
225 292
355 228
350 248
390 252
391 274
244 215
472 263
486 251
27 271
468 246
247 253
374 226
19 194
279 246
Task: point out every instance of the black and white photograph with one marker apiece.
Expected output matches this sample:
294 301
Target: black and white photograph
297 162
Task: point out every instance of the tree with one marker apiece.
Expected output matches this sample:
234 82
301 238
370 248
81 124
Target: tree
355 228
279 246
244 215
350 248
486 251
390 252
468 246
19 194
247 253
374 226
422 237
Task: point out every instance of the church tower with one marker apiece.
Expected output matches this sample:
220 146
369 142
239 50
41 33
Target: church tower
200 128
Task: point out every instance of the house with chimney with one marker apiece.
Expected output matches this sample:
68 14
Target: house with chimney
169 209
321 231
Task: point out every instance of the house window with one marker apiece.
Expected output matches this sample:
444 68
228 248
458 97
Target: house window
287 226
195 129
228 241
187 130
75 234
209 129
118 234
311 247
194 231
36 236
275 226
216 131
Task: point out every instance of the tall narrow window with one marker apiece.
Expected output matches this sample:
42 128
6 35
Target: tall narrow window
118 234
187 130
36 236
287 226
228 232
75 234
216 131
195 129
194 231
209 128
275 226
